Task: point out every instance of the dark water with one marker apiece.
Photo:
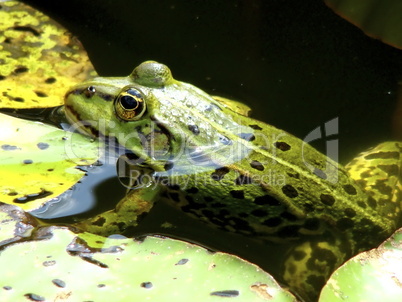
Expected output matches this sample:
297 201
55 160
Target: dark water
296 63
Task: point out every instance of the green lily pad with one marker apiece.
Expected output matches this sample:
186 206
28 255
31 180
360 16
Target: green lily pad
380 19
14 224
66 267
371 276
39 59
38 162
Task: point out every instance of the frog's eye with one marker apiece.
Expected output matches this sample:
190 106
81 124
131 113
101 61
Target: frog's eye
129 104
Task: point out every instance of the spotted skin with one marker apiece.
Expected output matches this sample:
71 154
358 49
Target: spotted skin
212 161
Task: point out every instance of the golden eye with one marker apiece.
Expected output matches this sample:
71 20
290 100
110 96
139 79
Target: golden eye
129 104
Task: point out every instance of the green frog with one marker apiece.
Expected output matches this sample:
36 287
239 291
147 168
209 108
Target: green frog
206 156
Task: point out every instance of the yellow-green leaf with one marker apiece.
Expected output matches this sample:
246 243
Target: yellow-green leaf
38 161
39 59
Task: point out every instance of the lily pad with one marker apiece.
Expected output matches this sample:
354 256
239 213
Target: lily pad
39 59
15 224
380 19
65 267
38 162
371 276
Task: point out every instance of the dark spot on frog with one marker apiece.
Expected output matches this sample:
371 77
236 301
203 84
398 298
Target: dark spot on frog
272 222
317 282
192 190
9 147
389 169
240 224
255 127
218 205
350 212
321 174
266 200
247 136
21 69
351 190
289 231
50 80
42 146
27 29
259 213
226 293
2 77
255 164
382 187
182 261
33 196
7 287
282 146
34 297
224 140
290 191
59 283
218 174
174 196
18 99
243 180
288 216
99 222
194 129
208 199
146 284
312 224
371 202
40 94
12 194
238 194
173 187
294 175
361 204
168 165
299 255
212 106
327 199
101 285
345 223
383 155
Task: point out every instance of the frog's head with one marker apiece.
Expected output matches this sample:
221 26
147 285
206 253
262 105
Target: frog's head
153 115
120 107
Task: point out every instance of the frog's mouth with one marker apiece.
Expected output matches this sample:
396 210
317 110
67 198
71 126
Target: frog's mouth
77 124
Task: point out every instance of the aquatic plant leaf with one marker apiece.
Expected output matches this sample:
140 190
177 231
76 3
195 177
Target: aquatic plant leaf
15 224
380 19
154 269
38 162
371 276
39 59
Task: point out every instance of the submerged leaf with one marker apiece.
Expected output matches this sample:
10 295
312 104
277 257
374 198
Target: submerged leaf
155 269
38 162
380 19
39 59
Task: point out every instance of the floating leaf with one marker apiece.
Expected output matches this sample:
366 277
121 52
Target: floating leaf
380 19
371 276
65 267
15 224
38 161
39 59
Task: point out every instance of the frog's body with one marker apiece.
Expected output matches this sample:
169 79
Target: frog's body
207 157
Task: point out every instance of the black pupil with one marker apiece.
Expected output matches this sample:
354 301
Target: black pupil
128 102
